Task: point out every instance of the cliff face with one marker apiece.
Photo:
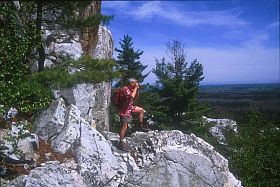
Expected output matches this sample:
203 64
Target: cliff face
88 35
92 99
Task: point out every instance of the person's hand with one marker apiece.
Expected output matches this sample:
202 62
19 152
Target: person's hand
137 85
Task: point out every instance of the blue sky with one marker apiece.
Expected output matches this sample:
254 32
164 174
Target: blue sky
236 41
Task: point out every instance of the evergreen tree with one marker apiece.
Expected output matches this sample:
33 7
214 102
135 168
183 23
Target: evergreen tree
128 61
178 81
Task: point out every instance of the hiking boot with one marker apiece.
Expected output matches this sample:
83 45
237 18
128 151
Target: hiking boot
143 129
123 146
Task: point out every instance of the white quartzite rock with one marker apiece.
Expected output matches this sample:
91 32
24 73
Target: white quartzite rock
166 158
93 100
51 174
18 144
221 125
97 164
105 45
70 133
58 46
50 122
171 158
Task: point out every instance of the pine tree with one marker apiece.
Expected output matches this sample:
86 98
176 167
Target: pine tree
129 62
178 82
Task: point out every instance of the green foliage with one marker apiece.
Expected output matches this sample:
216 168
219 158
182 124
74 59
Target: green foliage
177 83
255 152
150 99
64 15
13 139
128 60
84 70
16 46
115 122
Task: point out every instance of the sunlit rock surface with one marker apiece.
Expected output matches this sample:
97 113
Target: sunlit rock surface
165 158
171 158
50 174
92 100
50 121
219 128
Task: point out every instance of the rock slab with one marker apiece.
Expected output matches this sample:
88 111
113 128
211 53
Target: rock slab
171 158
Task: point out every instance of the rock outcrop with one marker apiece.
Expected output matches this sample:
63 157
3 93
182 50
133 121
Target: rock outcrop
96 162
220 126
93 100
157 158
51 121
18 144
171 158
51 174
165 158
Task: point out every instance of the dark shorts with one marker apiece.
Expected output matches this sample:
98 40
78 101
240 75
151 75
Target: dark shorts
126 119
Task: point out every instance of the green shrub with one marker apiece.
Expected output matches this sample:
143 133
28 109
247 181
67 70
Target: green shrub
255 152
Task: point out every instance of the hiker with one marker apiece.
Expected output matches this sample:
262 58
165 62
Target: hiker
129 92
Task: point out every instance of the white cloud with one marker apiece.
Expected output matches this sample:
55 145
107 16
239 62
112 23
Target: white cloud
256 40
274 24
168 11
115 4
146 10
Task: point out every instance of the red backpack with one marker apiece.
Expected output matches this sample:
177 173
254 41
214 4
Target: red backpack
119 99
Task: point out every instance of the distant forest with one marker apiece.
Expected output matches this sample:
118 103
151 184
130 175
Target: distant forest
236 100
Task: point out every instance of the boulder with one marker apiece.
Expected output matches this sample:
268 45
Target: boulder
27 146
18 144
97 164
171 158
50 174
50 121
70 133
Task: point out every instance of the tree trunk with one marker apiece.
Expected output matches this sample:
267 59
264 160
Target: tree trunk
41 50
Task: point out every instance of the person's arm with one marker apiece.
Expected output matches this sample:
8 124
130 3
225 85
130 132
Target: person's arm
134 92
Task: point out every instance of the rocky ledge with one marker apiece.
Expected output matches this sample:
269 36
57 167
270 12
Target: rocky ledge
157 158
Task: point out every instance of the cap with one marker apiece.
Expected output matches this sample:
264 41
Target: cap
132 80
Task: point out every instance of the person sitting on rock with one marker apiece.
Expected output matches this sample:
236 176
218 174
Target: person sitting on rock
129 92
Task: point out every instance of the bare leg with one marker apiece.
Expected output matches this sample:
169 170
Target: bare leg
122 131
140 111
